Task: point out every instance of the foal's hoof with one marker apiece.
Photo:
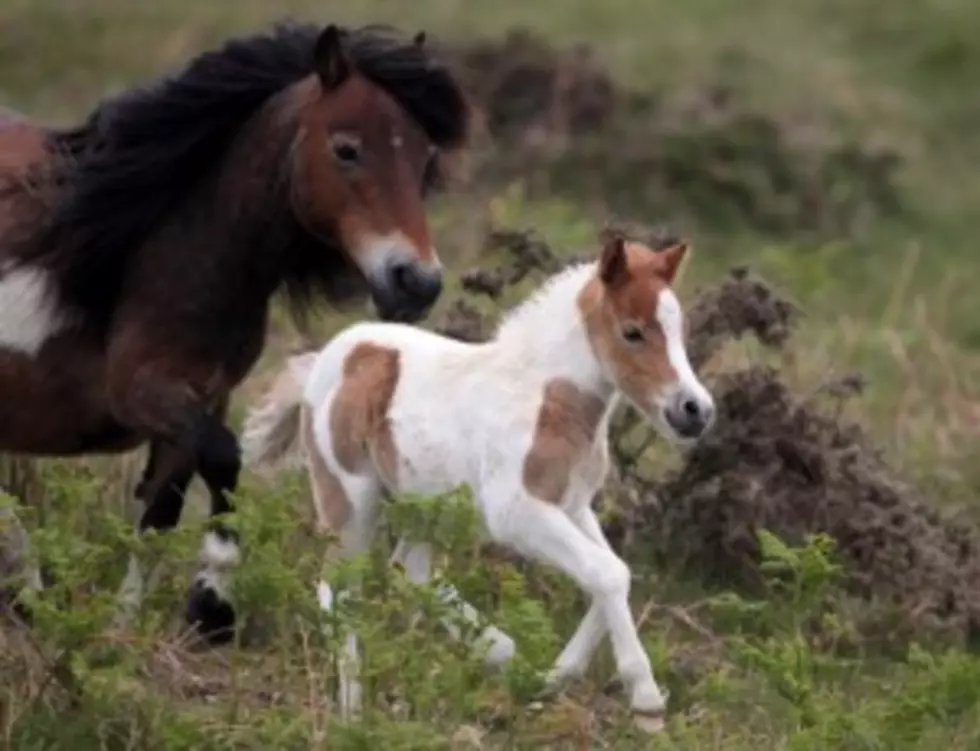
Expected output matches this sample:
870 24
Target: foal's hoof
212 616
649 707
551 685
649 722
555 682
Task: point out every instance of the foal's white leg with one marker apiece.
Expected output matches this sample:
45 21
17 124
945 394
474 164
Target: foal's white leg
497 647
543 531
356 535
575 658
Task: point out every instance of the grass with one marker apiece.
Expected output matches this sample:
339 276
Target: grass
894 301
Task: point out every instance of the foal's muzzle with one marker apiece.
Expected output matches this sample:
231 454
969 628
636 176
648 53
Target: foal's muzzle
689 415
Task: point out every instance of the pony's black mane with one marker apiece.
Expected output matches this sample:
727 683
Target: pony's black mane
140 153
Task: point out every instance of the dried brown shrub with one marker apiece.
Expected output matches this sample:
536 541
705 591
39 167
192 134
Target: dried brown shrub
775 460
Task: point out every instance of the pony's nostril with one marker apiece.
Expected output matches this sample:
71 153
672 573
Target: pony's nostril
691 408
401 277
412 281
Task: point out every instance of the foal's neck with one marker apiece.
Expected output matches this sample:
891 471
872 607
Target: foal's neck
545 336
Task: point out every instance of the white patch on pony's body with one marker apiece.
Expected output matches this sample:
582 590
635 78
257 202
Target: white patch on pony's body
219 558
28 313
671 319
219 553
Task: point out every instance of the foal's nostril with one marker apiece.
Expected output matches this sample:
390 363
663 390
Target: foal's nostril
691 409
689 417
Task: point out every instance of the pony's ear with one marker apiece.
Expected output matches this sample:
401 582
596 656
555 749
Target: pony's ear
612 263
672 260
419 39
332 64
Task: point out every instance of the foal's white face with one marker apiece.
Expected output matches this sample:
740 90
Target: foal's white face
635 325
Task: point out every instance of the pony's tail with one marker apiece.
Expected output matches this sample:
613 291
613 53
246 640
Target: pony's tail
270 429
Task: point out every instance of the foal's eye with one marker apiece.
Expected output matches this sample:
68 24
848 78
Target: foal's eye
346 151
632 333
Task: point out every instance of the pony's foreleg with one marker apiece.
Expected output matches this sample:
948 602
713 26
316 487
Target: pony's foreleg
209 604
146 396
416 558
544 532
165 479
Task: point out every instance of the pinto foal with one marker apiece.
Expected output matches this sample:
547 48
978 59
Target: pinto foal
522 419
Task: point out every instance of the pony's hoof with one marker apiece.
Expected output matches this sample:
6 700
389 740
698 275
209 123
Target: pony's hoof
213 617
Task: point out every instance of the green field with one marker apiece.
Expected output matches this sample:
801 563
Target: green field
768 117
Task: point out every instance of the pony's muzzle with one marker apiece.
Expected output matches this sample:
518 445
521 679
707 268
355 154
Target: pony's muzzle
408 291
414 282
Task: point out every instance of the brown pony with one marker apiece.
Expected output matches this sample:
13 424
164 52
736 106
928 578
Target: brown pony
139 251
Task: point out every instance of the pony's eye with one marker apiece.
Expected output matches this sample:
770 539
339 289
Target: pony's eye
346 151
632 333
430 173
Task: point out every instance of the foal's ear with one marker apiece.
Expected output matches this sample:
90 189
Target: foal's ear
672 260
332 64
419 39
300 366
612 264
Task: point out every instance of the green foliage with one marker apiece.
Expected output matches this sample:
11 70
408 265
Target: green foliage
769 673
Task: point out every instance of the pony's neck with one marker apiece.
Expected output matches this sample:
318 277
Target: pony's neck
546 338
243 207
255 185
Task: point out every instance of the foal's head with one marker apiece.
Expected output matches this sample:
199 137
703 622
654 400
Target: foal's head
362 164
635 326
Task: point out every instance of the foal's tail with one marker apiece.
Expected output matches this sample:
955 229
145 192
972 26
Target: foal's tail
270 429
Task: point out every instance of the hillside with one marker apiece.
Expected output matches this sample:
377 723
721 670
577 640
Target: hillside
827 146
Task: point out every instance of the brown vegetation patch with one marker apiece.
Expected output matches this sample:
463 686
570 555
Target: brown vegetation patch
559 122
775 460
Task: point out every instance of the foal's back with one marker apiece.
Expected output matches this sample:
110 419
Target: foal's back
424 412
